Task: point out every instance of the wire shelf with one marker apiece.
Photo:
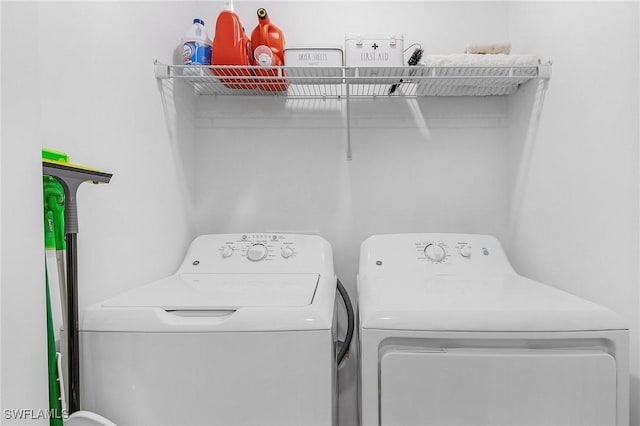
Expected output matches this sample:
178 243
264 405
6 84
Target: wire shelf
348 83
352 82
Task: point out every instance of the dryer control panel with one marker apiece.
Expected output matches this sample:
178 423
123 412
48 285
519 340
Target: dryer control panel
438 250
434 253
258 252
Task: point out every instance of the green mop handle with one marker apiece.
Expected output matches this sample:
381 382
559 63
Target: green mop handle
54 389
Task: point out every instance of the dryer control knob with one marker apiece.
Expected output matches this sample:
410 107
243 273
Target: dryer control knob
287 252
227 251
257 252
465 251
435 252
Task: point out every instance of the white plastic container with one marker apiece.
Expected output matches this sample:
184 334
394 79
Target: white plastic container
313 57
196 45
374 55
307 61
374 50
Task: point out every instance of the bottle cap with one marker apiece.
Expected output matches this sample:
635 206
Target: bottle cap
198 21
263 55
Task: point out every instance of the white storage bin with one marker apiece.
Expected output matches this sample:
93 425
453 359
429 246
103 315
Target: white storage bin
374 50
374 55
313 62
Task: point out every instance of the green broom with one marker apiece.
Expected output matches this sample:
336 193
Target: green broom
55 403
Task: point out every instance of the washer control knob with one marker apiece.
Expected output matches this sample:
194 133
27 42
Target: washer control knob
227 251
257 252
286 252
465 251
435 252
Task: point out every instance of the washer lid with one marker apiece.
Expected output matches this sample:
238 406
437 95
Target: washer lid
221 291
218 303
467 303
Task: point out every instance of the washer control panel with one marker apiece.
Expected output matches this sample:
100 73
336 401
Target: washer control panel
260 247
258 252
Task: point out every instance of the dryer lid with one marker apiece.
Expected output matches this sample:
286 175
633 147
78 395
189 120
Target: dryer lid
466 303
221 291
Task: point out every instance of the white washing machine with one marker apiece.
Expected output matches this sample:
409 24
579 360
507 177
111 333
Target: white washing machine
450 334
242 334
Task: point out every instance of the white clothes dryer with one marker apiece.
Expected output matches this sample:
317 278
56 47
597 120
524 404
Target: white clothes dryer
243 334
450 334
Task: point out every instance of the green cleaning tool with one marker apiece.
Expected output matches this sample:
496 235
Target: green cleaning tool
53 202
55 397
56 164
54 156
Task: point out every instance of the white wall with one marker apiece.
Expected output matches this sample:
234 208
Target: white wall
183 168
24 347
577 227
105 109
78 76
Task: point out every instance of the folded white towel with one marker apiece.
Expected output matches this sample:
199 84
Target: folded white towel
464 59
499 74
491 48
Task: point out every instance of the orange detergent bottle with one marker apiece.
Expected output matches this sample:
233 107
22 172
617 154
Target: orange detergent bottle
267 35
231 46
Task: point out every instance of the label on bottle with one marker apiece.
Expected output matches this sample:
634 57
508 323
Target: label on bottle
196 53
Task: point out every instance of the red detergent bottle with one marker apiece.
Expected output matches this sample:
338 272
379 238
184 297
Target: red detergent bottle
231 46
268 35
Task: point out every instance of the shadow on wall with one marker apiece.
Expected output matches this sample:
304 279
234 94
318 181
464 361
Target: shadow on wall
525 121
634 387
179 106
